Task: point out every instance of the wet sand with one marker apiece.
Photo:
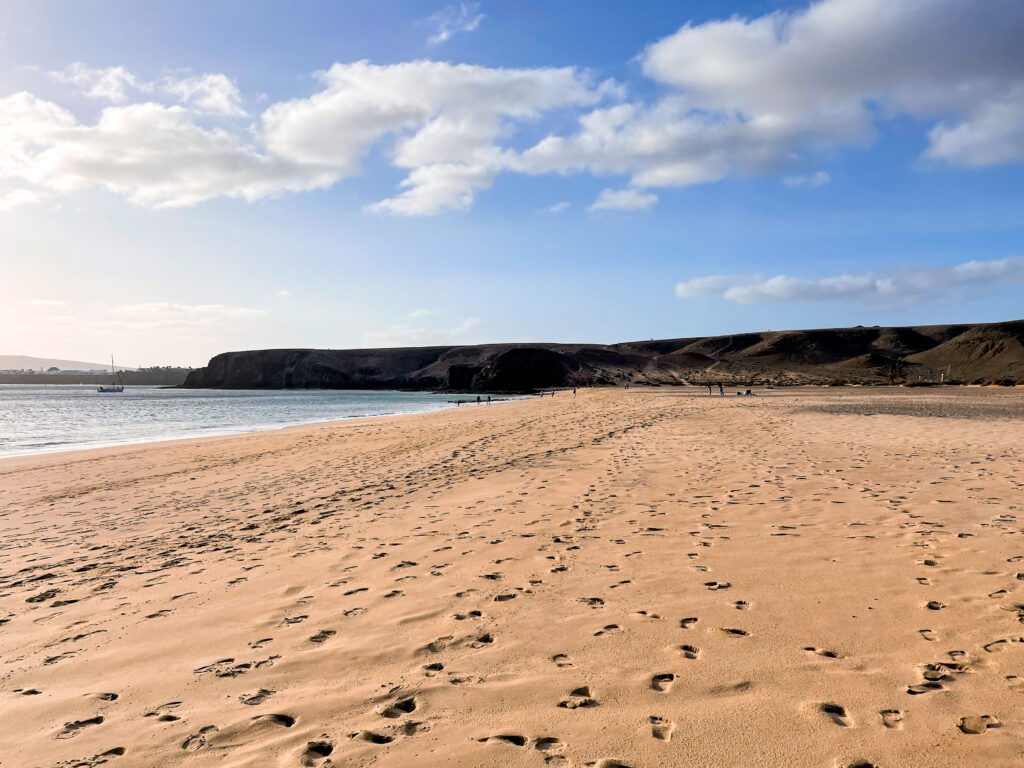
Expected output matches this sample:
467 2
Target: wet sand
810 577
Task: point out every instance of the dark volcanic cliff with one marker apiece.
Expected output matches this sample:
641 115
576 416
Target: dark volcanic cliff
855 355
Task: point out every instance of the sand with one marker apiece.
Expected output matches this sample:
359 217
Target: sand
819 578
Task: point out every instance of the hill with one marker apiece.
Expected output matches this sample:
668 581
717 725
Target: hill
24 362
850 355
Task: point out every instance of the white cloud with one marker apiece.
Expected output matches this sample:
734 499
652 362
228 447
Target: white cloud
210 93
46 303
770 94
557 207
623 200
774 94
895 288
405 335
453 19
422 312
109 84
17 197
284 295
819 179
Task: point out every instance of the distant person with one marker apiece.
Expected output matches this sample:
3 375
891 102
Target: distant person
488 399
478 399
574 393
721 389
709 388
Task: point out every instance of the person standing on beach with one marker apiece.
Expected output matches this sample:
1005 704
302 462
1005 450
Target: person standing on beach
574 393
721 389
709 388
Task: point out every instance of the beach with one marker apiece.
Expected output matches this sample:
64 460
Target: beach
819 577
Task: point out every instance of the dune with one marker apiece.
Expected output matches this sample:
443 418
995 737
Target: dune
812 578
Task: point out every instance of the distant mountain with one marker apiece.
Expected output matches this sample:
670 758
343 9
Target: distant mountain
858 355
18 362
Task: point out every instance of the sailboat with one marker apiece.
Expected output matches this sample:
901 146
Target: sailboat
115 382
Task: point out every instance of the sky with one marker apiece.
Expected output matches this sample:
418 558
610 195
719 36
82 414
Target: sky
181 178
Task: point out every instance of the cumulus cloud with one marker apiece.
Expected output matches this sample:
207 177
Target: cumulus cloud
772 94
210 93
623 200
895 288
769 94
453 19
405 335
109 83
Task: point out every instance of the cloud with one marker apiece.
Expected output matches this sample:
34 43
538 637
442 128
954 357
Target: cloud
454 19
417 313
16 197
404 335
109 84
623 200
284 295
214 93
46 303
557 207
819 179
894 288
768 95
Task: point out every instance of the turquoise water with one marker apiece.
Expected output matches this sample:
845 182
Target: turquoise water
43 419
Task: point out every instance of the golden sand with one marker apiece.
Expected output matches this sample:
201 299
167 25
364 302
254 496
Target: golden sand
815 578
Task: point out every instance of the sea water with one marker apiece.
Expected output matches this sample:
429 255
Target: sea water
47 418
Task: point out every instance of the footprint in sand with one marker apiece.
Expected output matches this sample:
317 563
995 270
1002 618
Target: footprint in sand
252 699
689 651
663 682
579 698
561 660
823 652
322 636
688 622
935 605
431 670
892 718
927 634
978 724
608 762
716 585
608 629
917 690
661 728
836 713
198 739
72 729
373 737
728 632
506 738
400 708
549 744
316 753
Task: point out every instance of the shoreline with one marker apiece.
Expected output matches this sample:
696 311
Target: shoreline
258 429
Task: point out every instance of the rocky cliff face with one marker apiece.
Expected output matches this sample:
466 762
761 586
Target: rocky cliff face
853 355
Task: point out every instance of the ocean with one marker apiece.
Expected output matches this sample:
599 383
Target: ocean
48 418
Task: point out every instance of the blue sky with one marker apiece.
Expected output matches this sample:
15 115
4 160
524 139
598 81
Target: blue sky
176 178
